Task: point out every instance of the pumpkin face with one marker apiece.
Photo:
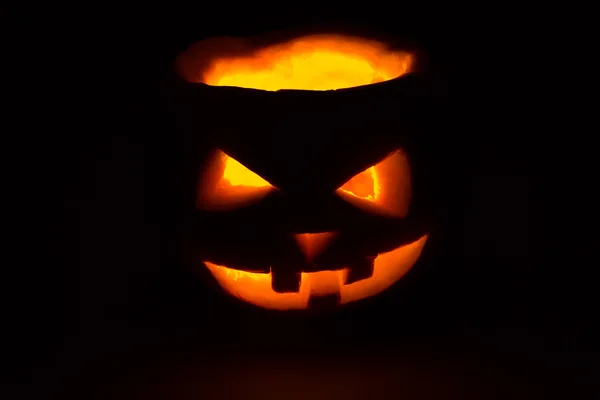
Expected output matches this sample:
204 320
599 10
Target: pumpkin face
303 188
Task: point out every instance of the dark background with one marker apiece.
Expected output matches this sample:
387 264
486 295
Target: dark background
111 314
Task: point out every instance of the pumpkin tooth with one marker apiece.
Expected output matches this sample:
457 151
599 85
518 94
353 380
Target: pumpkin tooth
359 269
285 280
324 301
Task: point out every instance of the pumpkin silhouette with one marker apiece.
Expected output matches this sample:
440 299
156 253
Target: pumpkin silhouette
306 179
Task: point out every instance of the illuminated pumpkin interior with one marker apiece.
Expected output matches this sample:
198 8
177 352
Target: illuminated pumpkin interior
323 62
255 288
227 183
385 187
235 174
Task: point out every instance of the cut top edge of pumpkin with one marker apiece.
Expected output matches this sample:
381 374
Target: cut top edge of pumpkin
311 63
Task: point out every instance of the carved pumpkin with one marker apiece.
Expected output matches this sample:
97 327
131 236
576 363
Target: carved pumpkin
303 181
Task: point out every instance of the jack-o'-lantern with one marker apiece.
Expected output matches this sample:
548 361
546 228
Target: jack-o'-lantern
304 183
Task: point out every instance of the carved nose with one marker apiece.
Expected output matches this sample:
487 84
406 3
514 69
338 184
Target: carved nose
313 244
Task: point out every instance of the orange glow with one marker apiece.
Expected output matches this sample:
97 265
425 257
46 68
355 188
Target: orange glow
322 62
227 183
237 175
364 185
387 185
255 288
312 244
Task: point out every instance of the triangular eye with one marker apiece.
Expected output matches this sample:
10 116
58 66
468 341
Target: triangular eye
235 174
364 185
226 184
384 187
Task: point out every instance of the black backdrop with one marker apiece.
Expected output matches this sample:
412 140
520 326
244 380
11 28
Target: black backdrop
117 315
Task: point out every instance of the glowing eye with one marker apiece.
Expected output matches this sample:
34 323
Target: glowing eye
384 187
235 174
364 185
226 183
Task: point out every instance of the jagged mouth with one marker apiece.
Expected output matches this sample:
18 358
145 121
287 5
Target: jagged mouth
319 289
